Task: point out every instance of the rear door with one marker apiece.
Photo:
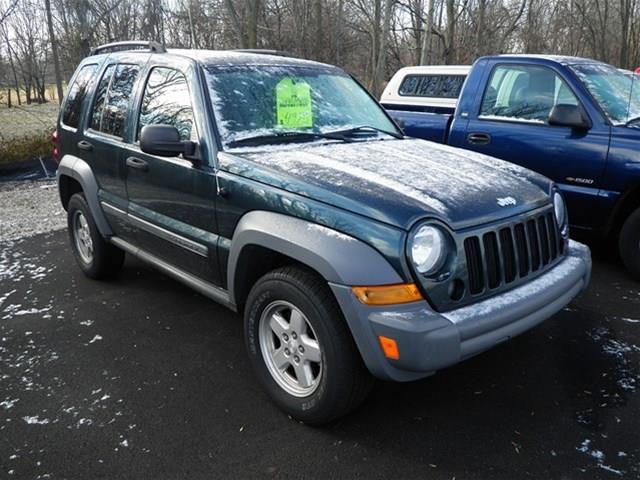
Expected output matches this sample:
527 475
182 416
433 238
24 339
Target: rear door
172 200
510 122
104 137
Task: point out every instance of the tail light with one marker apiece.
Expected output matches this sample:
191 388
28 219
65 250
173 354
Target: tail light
56 150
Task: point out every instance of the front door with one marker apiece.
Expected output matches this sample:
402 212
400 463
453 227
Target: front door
172 200
512 125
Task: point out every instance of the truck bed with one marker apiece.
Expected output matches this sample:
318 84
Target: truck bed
427 125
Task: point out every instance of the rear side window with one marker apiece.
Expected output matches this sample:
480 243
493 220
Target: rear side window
113 97
435 86
101 97
76 96
166 101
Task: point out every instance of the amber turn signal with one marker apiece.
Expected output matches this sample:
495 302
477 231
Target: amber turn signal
387 294
389 347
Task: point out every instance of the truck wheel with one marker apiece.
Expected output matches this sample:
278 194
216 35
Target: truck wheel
301 349
629 244
97 258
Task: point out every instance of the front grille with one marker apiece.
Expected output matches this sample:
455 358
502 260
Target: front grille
515 251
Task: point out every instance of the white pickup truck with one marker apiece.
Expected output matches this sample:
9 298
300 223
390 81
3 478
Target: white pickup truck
433 88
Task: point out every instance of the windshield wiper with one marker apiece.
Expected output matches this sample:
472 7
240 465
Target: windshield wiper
285 137
631 122
363 128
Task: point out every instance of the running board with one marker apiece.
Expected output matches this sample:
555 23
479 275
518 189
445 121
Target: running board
205 288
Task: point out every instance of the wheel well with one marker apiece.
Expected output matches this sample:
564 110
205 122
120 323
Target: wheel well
629 202
68 187
254 262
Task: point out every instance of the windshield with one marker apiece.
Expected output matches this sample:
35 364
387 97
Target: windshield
268 101
617 91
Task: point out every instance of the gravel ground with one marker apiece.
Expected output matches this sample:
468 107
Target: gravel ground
29 208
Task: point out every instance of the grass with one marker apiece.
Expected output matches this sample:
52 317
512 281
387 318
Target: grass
25 132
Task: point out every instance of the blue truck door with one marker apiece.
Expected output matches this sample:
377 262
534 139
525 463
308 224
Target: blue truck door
509 121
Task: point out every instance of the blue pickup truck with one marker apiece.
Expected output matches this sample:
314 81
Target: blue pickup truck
575 120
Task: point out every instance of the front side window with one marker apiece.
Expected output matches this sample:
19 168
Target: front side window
434 86
166 101
525 93
113 97
77 93
282 100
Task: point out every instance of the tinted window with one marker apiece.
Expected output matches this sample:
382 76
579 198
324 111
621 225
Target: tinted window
525 93
437 86
166 101
101 97
111 108
76 95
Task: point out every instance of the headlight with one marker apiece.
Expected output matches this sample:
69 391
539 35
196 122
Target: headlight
428 249
560 210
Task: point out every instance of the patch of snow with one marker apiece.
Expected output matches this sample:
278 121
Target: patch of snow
512 119
95 338
523 293
36 420
9 403
314 227
86 323
610 469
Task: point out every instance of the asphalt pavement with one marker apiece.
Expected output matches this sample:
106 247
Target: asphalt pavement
142 378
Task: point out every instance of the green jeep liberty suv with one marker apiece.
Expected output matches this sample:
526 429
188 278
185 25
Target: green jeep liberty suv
280 188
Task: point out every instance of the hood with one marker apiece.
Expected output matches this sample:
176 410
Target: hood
397 181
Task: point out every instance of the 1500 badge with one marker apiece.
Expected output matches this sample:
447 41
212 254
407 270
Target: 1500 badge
586 181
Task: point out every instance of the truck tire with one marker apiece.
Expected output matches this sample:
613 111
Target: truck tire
97 258
629 244
301 348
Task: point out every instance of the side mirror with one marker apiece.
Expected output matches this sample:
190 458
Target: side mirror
563 115
164 141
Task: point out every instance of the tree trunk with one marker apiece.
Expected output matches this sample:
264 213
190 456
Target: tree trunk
54 50
449 54
381 65
425 54
252 24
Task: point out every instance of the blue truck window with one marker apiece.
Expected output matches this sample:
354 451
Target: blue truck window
76 96
434 86
524 92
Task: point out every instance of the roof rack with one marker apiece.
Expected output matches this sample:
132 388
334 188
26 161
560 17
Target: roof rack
264 51
151 46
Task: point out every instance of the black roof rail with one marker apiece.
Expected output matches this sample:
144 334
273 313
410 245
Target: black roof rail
264 51
151 46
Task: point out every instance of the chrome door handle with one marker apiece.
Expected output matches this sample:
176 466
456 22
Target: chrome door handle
479 138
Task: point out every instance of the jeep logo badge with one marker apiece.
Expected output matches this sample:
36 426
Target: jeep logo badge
506 201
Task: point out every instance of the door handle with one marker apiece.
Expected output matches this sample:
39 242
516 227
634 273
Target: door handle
479 138
84 145
137 163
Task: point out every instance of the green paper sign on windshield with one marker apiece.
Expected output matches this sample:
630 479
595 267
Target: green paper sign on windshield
293 104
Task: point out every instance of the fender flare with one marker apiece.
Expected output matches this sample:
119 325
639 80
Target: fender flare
337 257
79 170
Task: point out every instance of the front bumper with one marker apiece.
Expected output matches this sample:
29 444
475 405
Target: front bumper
429 341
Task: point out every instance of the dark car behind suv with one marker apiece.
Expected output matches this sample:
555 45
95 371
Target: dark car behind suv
279 188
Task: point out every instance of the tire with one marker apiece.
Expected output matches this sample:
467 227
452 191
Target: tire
308 316
629 244
97 258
